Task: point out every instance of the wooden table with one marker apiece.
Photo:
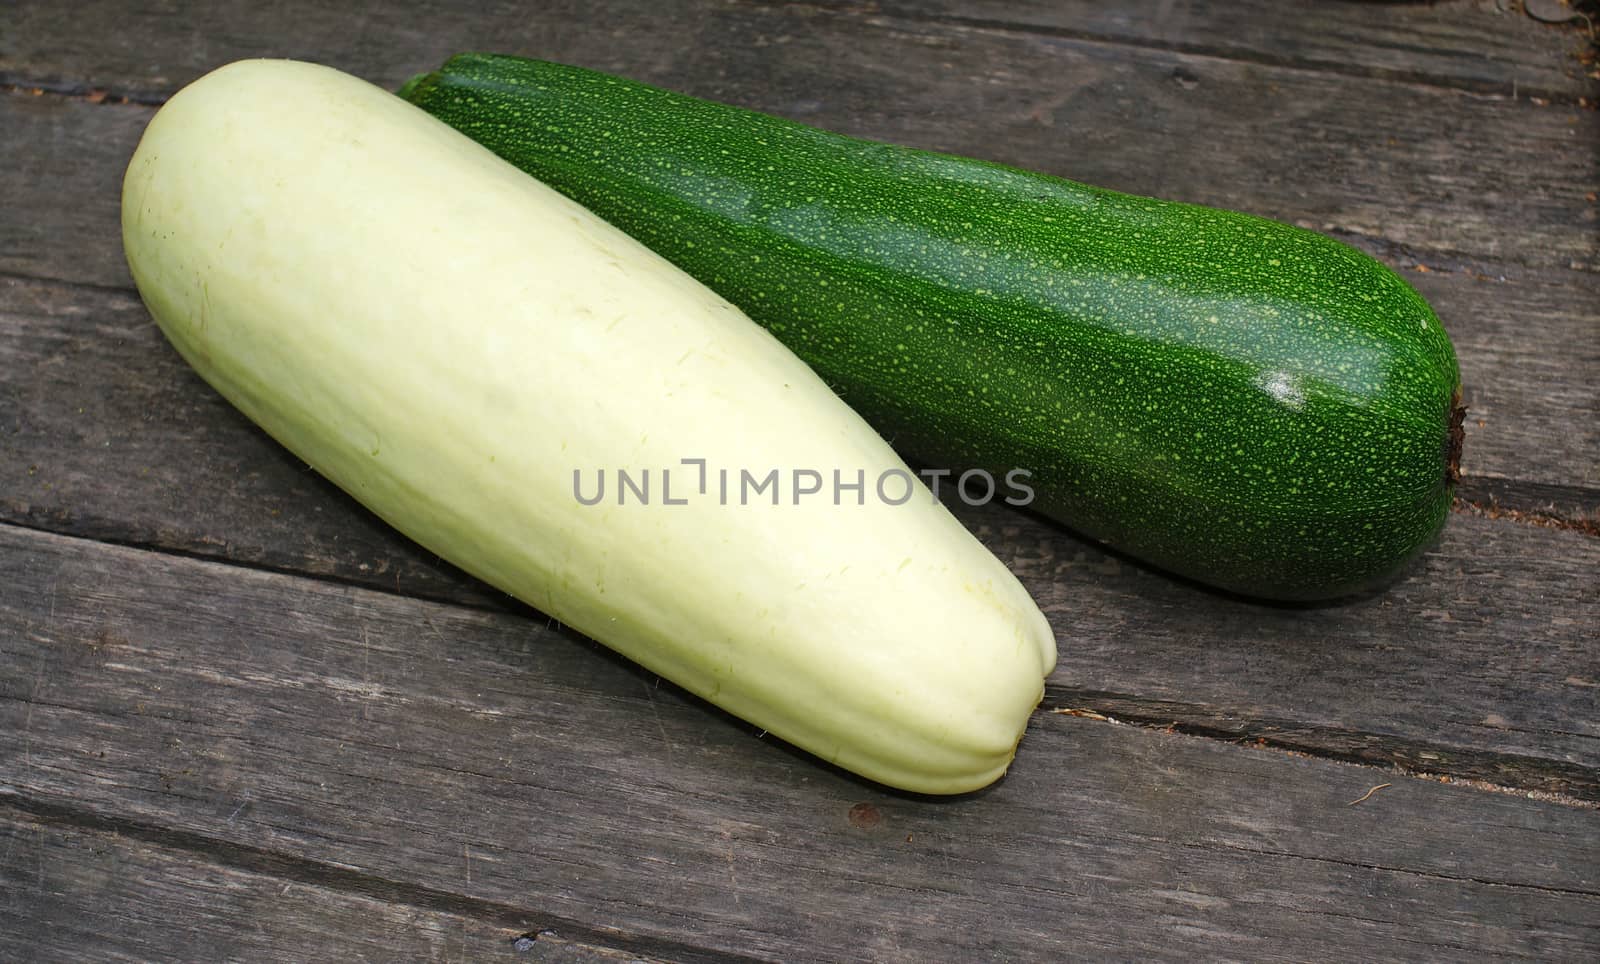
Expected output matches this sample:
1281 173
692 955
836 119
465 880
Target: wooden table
241 718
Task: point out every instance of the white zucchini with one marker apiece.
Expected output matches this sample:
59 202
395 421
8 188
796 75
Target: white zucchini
449 340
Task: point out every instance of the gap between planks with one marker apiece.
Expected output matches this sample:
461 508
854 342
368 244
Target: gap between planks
91 95
1128 713
519 923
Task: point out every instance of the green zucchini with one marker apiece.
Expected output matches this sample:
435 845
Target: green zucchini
1247 403
451 342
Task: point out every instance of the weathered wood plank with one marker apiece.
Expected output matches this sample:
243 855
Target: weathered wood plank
1529 346
483 755
70 894
76 885
1436 169
61 187
1480 659
106 433
1477 45
1482 663
1468 44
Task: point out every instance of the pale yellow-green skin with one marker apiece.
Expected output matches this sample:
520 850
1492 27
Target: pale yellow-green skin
447 340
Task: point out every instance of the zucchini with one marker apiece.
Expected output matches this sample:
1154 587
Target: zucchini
450 341
1250 404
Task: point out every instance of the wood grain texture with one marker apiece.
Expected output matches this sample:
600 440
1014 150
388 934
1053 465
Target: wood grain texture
61 166
1476 45
483 755
1481 659
1481 663
1436 169
76 885
70 894
105 432
1528 342
1467 44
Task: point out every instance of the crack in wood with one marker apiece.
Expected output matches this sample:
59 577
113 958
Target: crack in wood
1400 871
93 95
1580 520
1557 781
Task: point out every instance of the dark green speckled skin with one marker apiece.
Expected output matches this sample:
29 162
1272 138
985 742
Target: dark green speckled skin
1253 405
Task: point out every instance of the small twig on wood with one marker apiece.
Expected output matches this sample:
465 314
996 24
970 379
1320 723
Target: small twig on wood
1084 714
1369 793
